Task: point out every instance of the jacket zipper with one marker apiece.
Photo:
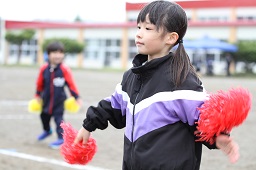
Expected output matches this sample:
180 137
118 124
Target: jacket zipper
133 123
51 90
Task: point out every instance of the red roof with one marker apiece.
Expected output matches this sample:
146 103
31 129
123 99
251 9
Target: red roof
137 6
42 24
201 4
56 25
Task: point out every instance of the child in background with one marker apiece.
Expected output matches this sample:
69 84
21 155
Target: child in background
53 77
157 99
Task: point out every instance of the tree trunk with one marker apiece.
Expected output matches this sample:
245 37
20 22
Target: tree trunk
248 69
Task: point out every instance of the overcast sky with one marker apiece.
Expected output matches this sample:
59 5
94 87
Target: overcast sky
64 10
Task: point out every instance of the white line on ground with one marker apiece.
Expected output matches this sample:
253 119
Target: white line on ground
25 103
17 117
14 102
30 116
47 160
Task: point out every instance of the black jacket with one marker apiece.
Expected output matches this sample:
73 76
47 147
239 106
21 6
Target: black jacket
159 118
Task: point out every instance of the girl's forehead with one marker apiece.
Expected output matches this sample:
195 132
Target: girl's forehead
147 18
146 21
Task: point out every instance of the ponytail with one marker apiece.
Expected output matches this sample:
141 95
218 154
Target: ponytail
181 65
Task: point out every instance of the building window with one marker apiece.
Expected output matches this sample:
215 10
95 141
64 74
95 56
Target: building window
113 49
132 19
132 49
246 18
28 49
213 18
106 49
92 47
118 43
108 42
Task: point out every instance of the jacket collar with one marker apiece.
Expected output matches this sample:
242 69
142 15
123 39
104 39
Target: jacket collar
56 67
141 66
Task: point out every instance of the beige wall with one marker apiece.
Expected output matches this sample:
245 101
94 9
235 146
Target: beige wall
40 55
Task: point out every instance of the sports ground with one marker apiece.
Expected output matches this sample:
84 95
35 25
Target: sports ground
19 149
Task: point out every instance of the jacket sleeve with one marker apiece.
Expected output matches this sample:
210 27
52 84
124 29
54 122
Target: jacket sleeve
70 81
108 110
187 103
188 113
40 81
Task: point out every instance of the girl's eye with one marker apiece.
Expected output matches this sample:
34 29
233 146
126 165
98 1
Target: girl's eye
148 29
138 27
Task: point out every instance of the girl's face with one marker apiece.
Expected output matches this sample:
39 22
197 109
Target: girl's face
150 41
56 57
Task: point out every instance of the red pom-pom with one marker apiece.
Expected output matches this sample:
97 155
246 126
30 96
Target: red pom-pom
77 154
221 112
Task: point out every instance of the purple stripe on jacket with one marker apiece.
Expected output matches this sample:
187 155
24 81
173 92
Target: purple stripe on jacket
117 102
156 115
160 114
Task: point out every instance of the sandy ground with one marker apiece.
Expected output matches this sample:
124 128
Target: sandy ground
19 149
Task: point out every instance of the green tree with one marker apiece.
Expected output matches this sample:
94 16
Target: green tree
246 53
71 46
78 19
17 39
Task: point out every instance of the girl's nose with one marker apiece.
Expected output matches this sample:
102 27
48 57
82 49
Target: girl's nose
138 34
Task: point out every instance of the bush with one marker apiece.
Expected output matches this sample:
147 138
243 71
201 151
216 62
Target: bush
19 38
71 46
247 51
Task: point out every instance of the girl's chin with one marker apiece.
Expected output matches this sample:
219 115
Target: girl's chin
142 52
57 62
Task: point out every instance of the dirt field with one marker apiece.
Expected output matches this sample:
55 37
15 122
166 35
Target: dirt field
19 149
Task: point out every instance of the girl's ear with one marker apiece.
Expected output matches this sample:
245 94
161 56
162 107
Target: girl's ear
172 38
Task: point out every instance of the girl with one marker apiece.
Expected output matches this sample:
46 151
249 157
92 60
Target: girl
157 99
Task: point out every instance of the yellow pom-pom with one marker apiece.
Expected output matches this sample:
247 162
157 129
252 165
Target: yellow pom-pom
34 106
71 105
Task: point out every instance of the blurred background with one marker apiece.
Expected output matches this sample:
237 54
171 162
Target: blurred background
220 39
99 41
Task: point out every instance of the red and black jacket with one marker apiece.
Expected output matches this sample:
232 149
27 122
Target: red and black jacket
50 87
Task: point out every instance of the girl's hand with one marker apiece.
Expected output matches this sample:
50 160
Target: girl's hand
228 146
82 135
38 98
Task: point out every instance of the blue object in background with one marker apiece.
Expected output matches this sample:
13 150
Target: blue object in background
45 56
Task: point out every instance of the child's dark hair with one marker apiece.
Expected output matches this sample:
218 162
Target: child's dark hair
55 46
170 17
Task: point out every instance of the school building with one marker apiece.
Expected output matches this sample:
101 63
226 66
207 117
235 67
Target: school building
112 44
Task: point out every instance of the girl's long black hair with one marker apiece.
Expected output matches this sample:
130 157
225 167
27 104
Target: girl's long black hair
170 17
